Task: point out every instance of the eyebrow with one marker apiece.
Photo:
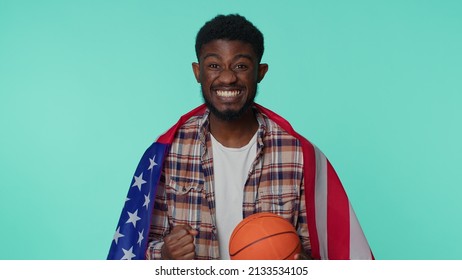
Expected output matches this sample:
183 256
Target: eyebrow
247 56
211 55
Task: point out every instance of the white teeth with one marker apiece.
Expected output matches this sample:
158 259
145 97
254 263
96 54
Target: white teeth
228 93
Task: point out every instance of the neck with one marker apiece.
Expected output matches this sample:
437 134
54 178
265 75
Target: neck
236 133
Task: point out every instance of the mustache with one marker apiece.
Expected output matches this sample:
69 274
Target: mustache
227 86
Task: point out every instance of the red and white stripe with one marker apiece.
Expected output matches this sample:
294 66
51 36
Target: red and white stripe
339 234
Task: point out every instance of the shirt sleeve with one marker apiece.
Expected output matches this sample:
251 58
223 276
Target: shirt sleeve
302 227
159 223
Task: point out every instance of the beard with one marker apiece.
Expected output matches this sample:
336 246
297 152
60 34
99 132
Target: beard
229 115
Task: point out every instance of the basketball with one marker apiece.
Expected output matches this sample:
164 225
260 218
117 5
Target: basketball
264 236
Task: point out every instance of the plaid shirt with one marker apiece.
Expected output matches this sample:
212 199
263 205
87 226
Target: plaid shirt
185 193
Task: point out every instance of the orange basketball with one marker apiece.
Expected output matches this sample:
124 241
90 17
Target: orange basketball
264 236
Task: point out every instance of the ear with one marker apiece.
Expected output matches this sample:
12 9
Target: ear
196 70
262 69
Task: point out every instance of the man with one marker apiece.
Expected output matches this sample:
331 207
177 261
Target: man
231 158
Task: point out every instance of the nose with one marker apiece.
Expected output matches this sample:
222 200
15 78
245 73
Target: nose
228 76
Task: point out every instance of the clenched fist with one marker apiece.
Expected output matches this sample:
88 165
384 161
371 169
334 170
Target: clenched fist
179 243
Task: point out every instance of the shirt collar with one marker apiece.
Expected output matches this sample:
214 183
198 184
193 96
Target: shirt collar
204 127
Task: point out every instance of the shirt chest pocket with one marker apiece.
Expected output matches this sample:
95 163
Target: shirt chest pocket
185 198
281 200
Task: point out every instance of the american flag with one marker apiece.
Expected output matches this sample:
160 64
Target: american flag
334 230
130 238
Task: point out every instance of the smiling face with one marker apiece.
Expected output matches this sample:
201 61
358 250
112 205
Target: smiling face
228 72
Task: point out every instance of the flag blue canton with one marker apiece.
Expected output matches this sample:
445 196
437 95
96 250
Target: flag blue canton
131 236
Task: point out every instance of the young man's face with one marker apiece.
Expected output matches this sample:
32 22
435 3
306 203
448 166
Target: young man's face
228 72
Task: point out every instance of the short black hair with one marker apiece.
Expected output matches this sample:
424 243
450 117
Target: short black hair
230 27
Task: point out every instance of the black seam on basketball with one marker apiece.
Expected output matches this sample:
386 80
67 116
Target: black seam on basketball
247 220
258 240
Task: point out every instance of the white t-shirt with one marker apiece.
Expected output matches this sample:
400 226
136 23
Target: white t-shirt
231 167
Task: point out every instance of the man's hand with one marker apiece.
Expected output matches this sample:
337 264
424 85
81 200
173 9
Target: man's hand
179 243
302 256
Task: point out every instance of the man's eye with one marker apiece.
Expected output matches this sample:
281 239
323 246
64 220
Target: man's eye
241 66
213 65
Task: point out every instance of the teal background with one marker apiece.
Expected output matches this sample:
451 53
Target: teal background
86 86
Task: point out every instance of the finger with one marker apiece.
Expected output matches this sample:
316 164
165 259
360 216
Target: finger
180 229
189 256
185 240
300 256
177 233
181 255
179 237
193 232
183 251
